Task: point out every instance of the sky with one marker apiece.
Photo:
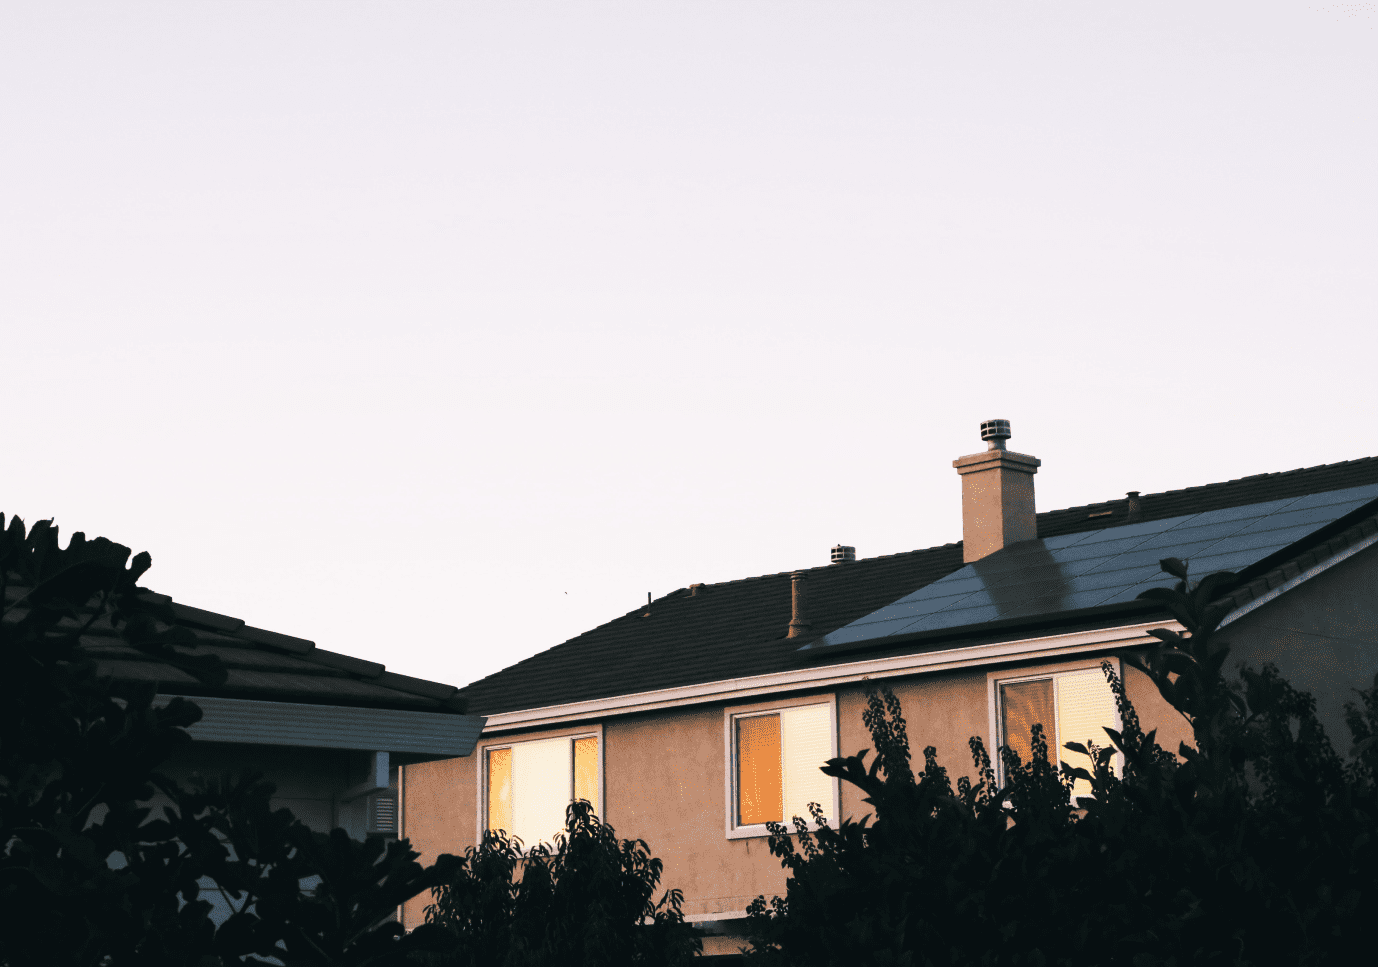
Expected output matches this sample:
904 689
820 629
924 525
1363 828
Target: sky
439 333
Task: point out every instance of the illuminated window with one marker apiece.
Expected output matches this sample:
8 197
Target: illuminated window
1074 706
529 784
776 760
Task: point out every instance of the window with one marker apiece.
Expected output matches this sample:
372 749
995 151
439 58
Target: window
529 784
1072 706
775 757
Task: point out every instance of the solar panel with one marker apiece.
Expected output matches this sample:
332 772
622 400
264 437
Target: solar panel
1072 572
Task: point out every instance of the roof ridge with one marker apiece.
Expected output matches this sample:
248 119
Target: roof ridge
1261 476
1218 483
934 547
738 628
830 567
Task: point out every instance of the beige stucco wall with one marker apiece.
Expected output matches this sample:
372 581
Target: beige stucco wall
946 710
664 781
1322 635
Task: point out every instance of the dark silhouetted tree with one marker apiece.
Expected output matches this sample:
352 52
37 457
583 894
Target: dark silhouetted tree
90 872
590 901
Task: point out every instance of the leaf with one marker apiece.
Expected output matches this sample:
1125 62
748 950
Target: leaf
1174 566
139 566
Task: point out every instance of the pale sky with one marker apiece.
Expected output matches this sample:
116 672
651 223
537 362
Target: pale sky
438 333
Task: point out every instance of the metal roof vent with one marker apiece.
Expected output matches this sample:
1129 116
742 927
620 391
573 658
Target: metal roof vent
842 554
995 433
799 623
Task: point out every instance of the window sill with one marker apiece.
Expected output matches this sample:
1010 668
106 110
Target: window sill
761 832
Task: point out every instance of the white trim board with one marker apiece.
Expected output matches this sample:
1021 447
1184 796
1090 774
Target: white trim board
438 735
826 676
1301 578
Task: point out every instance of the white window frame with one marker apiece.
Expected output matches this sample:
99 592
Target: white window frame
1010 676
730 717
506 742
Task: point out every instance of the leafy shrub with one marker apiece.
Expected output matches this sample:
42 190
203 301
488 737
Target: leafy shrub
588 901
1253 845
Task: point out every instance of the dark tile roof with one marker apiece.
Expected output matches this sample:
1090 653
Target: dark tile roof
736 628
271 666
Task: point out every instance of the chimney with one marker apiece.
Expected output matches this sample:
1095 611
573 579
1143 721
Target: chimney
842 554
997 495
798 623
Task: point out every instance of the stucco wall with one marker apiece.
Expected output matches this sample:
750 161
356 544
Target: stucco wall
664 781
1322 635
665 784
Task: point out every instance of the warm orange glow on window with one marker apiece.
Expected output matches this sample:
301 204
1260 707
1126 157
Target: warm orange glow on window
500 789
586 770
1024 704
760 785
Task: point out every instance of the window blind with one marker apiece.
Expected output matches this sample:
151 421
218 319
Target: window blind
542 777
807 744
1085 708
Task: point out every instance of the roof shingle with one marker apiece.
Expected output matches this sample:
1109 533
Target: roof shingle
736 628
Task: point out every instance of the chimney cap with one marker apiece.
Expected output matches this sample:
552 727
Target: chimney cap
995 433
842 554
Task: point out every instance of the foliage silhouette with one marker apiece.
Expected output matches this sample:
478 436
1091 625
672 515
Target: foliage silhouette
1253 845
590 901
92 872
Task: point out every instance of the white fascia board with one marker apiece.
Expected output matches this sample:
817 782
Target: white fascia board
257 722
1301 578
736 689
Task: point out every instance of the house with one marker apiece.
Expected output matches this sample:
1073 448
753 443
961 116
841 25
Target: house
330 731
694 720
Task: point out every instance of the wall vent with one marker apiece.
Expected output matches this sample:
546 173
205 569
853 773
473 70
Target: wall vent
382 814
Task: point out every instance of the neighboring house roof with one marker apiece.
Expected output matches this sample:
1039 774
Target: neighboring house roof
284 691
265 665
736 629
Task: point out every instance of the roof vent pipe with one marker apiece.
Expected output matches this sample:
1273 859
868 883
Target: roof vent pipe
995 433
798 623
842 554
